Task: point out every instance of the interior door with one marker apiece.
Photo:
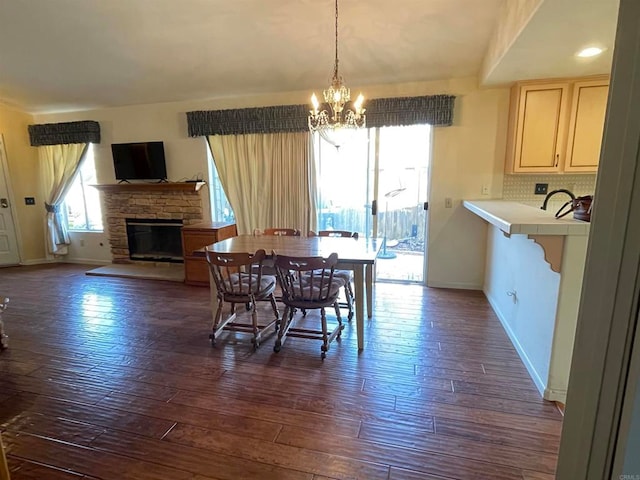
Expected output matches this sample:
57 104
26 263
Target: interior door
8 241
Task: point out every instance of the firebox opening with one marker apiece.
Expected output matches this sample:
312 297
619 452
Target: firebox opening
155 240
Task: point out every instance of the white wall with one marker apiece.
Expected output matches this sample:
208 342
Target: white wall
466 156
517 265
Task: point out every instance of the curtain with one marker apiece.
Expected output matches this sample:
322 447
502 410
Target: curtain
59 165
266 178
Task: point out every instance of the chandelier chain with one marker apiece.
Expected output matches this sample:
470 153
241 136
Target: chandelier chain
335 69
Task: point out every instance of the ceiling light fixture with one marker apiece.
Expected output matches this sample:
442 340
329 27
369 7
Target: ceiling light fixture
590 52
338 118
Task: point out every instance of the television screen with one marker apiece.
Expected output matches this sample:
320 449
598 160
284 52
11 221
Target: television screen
139 161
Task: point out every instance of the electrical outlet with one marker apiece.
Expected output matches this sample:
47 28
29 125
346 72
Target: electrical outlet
448 203
541 188
485 189
82 242
29 201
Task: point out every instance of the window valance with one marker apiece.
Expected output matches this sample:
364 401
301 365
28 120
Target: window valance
277 119
436 110
86 131
381 112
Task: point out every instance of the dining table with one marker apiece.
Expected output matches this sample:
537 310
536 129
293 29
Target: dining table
356 254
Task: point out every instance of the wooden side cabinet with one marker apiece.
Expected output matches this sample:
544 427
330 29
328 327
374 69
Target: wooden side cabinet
199 235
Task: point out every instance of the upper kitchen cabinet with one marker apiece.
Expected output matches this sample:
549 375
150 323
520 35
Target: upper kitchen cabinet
556 127
588 109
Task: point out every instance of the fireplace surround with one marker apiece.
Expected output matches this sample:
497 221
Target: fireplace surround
148 202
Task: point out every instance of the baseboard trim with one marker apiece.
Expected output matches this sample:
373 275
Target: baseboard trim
39 261
540 385
455 285
559 396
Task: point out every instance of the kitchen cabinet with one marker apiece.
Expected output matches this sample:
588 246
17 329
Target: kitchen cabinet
199 235
556 127
589 106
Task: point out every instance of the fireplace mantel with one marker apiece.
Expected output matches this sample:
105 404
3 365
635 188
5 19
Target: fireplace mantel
150 187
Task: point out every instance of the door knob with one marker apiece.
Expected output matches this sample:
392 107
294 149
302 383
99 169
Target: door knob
4 203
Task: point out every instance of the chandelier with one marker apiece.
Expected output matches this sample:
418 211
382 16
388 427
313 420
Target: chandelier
337 119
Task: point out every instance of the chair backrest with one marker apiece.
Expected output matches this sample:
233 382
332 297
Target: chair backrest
284 232
308 281
337 233
237 274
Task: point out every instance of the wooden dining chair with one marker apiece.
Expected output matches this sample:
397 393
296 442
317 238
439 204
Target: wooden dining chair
346 275
308 283
4 340
239 279
285 232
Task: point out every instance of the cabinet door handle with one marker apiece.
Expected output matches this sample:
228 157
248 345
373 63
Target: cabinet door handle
557 159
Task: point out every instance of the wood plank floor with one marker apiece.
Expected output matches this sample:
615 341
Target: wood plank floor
114 378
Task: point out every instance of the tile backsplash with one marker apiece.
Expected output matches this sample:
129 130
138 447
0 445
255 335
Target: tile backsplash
520 188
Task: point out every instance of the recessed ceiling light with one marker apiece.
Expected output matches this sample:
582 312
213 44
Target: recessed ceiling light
590 52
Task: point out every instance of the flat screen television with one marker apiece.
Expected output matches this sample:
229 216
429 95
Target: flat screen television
139 161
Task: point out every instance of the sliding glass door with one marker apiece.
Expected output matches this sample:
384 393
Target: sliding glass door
377 185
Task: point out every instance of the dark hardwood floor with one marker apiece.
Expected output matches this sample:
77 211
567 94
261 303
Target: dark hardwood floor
112 378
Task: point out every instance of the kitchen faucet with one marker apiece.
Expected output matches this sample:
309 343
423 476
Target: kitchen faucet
552 193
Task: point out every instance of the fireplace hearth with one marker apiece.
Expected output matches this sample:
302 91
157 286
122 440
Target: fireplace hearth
154 240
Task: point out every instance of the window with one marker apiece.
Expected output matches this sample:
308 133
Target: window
220 208
82 203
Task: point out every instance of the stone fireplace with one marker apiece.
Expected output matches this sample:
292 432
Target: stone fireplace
151 204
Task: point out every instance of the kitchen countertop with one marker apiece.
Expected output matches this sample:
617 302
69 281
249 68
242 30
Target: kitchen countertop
518 218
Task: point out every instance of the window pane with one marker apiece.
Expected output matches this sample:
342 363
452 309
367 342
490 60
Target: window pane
82 200
220 208
75 206
344 199
91 195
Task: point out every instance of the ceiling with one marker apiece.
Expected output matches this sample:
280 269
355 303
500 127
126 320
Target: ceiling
64 55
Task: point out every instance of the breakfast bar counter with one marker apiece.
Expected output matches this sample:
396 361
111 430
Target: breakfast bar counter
533 279
514 217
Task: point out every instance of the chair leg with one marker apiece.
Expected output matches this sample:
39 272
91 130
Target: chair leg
325 344
348 293
287 318
216 322
254 324
276 312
